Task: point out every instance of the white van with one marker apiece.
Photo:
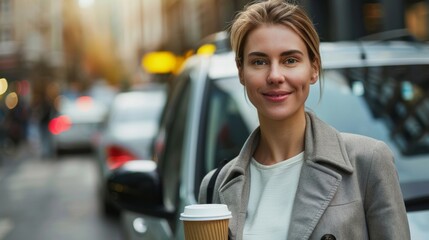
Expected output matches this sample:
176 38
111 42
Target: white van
379 89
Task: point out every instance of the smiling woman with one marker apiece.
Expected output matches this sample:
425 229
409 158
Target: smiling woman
294 167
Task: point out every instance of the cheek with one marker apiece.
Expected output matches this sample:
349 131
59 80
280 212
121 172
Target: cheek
251 78
306 90
299 80
251 85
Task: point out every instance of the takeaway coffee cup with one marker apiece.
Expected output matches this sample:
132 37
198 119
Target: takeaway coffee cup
206 221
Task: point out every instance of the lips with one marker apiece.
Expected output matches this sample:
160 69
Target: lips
276 96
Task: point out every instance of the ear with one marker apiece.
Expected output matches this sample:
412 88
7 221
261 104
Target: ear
315 73
240 71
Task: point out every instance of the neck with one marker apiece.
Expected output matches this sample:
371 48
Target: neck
280 140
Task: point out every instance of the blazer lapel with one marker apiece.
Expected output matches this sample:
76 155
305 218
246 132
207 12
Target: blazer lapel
232 195
318 183
235 188
316 189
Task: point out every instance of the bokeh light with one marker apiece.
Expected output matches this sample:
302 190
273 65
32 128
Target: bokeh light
23 87
86 3
3 85
59 124
11 100
85 103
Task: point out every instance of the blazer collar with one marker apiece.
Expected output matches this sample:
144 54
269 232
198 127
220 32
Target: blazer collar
323 144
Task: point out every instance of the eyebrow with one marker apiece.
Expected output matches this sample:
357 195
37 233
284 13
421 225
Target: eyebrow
286 53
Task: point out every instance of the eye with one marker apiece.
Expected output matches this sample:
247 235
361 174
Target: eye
290 61
259 62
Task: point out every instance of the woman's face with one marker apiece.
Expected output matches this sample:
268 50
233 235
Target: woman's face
276 71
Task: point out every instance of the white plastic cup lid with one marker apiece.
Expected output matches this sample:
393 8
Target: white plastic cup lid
205 212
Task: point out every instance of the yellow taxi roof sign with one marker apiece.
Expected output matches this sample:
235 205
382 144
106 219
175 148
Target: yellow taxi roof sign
159 62
206 49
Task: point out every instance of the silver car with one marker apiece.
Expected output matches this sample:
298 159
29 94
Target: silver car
376 89
128 131
76 123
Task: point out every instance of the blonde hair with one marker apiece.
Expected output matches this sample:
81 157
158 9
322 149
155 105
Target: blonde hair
274 12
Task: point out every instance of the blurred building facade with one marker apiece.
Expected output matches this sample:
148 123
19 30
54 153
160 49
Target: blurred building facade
190 20
30 57
108 37
49 45
76 41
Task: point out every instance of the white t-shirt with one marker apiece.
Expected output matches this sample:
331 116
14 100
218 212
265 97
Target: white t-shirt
272 192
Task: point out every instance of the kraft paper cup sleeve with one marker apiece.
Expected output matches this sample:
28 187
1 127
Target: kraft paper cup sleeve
206 221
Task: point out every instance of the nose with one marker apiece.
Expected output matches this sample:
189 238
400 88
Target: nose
275 75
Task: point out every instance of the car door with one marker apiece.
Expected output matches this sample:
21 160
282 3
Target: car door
168 152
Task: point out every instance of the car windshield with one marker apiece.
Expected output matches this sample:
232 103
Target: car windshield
138 107
137 114
82 109
386 103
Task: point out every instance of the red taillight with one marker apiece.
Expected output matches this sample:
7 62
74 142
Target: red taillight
59 124
85 103
116 156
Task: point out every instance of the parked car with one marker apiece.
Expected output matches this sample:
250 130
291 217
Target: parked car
127 133
76 123
376 89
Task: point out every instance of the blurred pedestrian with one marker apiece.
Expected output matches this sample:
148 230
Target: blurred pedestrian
42 112
297 177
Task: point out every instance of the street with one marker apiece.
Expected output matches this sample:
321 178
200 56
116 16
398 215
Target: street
44 199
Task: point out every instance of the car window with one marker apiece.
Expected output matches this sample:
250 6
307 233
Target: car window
144 113
401 96
343 106
392 96
227 121
389 103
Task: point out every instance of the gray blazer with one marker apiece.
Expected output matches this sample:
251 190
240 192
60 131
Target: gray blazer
348 188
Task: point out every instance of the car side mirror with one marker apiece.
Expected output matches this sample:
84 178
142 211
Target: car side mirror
136 186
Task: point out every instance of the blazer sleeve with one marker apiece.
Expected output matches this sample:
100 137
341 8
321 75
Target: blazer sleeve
384 205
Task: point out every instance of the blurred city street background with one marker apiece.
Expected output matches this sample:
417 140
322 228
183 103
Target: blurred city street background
51 199
62 62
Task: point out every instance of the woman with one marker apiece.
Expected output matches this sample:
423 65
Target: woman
296 177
